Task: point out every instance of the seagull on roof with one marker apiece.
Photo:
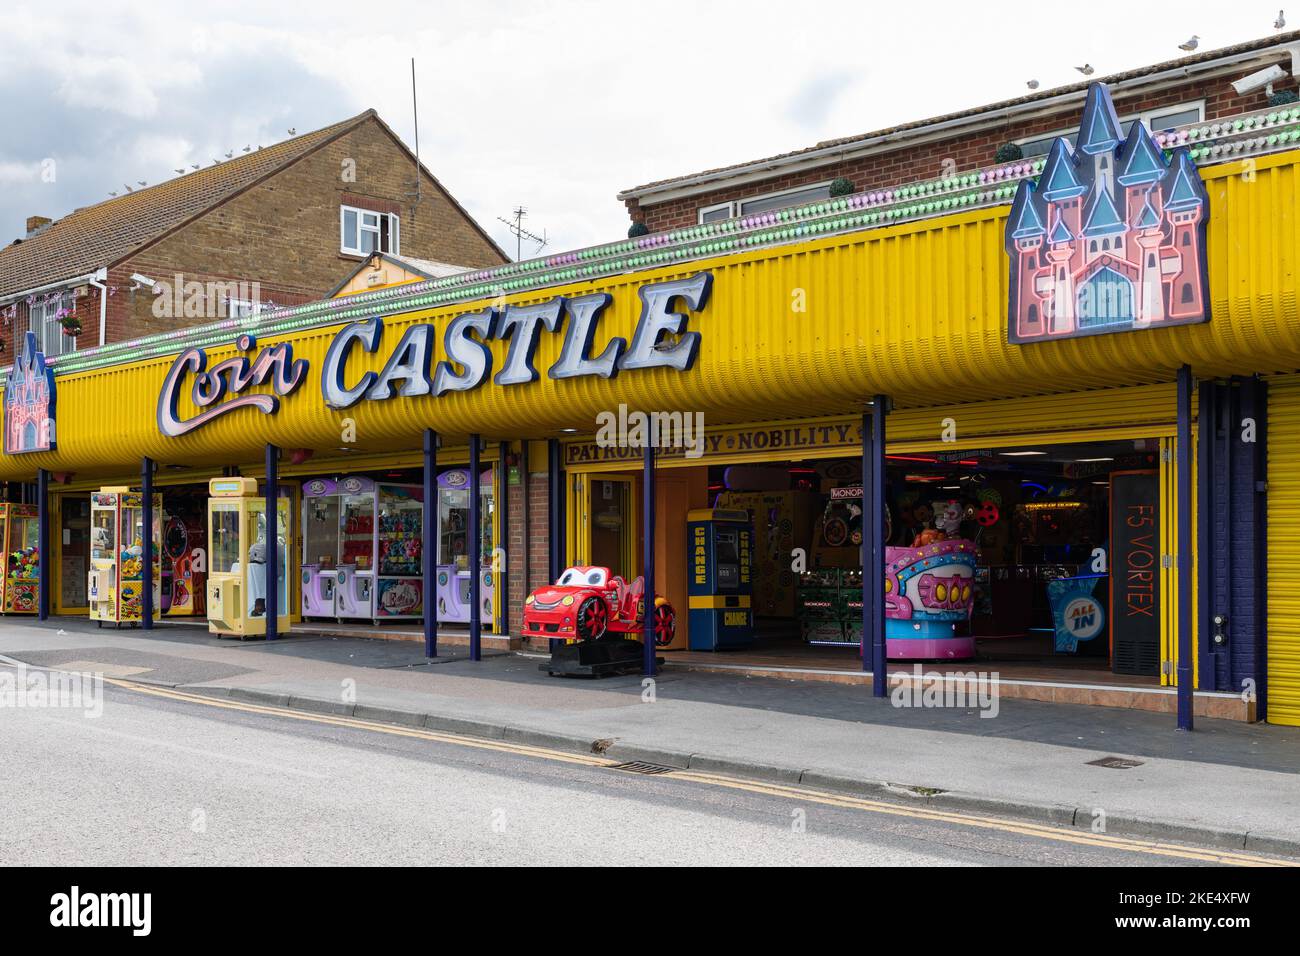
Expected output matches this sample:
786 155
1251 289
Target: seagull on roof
293 131
112 192
1032 84
1280 22
229 154
179 172
127 188
142 182
1086 69
1191 44
248 147
195 165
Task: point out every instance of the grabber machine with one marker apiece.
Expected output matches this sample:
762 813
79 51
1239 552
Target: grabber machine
116 586
237 539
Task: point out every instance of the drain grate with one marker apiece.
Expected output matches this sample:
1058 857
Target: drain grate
638 766
1115 763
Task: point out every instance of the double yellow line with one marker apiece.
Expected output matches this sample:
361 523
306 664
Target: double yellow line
783 791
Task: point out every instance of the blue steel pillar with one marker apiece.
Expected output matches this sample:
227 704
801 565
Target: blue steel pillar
1184 529
272 542
475 555
648 559
43 544
429 547
146 539
873 545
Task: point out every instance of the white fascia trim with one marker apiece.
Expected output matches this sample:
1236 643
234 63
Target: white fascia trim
51 286
758 171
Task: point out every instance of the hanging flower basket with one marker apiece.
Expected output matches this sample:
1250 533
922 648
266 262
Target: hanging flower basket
71 324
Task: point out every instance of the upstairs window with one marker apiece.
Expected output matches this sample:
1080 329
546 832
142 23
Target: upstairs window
765 203
1157 121
43 319
363 231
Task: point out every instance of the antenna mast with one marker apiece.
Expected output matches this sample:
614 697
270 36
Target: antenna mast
415 109
520 233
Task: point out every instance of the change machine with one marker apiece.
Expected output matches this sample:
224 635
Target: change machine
720 591
116 585
237 536
453 546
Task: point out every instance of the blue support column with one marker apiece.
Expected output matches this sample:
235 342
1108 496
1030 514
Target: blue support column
501 541
146 538
1184 539
429 547
43 544
272 542
475 554
648 559
873 545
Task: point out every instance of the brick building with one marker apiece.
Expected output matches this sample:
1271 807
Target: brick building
1192 89
281 225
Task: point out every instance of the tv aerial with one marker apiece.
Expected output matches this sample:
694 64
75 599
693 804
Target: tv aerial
516 227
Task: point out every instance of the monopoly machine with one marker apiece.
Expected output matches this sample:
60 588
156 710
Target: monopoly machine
21 531
116 577
453 546
237 541
720 589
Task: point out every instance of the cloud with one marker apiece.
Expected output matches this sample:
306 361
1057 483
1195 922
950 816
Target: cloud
554 106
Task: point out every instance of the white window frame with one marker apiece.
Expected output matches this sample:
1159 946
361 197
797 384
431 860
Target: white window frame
1145 117
729 207
394 231
736 207
43 320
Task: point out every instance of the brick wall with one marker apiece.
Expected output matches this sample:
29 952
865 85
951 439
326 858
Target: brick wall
927 161
284 235
539 538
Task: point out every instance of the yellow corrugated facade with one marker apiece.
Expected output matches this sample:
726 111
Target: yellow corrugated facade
1284 558
916 311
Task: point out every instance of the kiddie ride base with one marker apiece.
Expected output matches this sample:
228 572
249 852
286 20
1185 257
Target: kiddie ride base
599 614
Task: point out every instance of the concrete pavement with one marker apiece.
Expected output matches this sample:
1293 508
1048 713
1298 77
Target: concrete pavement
1230 784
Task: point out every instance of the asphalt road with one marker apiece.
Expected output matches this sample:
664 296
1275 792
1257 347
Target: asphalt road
160 780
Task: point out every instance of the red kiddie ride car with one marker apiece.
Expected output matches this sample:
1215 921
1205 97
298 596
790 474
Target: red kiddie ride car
590 603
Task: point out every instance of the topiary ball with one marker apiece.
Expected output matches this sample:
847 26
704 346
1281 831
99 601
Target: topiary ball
1283 97
1008 152
843 187
637 229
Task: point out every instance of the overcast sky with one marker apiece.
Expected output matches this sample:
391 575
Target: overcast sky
556 105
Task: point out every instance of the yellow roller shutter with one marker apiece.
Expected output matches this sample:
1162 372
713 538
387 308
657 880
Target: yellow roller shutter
1284 559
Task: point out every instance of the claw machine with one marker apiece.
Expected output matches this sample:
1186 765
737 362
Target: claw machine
399 550
21 587
453 545
356 548
237 538
116 577
321 530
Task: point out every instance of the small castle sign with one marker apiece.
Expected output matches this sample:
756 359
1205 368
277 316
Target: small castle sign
1110 238
29 402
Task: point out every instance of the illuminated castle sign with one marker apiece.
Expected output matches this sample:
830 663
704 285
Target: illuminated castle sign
29 402
1110 238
